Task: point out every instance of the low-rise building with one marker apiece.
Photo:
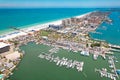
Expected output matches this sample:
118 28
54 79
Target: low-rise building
55 27
9 65
4 47
13 56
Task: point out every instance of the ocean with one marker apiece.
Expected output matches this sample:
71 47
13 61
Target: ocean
23 18
111 33
33 68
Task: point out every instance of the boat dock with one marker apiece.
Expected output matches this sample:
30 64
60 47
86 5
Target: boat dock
63 62
111 61
113 73
104 73
54 50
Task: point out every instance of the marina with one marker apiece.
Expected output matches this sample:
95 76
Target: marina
104 73
71 36
63 62
113 74
32 63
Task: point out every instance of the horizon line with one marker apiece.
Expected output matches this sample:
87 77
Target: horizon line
50 7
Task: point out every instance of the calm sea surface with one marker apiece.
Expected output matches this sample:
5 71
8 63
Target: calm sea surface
23 18
34 68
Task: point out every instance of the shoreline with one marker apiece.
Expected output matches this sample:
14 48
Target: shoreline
95 48
36 26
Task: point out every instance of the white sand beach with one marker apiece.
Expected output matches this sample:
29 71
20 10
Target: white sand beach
24 31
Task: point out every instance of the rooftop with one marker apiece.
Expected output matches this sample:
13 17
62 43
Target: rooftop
13 56
2 44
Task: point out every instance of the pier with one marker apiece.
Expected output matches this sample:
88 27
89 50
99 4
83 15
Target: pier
63 62
111 61
113 75
15 28
114 46
104 73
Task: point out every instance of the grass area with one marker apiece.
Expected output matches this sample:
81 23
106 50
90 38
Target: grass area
44 32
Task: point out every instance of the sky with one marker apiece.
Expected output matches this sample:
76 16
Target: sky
58 3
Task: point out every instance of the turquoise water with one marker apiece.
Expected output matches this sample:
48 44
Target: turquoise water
34 68
26 17
112 32
22 17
